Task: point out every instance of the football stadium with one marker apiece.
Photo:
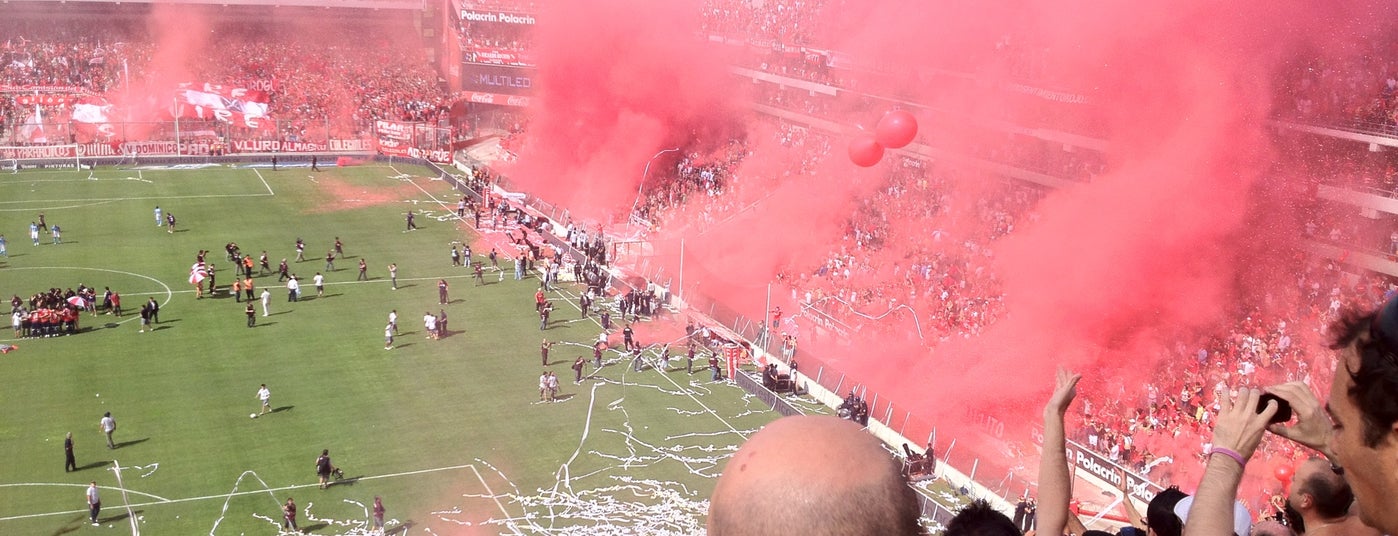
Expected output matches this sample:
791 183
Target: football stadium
461 267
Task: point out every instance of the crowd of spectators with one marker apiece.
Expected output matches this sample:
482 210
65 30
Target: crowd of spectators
1025 152
333 83
497 43
792 23
1355 88
947 283
323 87
513 6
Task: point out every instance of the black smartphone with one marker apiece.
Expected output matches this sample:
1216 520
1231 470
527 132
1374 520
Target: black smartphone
1283 408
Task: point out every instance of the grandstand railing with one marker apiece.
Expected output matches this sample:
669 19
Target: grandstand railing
192 136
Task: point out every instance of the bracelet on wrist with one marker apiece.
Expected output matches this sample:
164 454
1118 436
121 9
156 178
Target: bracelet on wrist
1229 453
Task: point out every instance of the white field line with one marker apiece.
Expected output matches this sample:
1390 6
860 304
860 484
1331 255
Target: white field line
226 496
264 181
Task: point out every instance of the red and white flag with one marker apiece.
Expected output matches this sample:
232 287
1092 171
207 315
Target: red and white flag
91 120
242 106
33 130
198 273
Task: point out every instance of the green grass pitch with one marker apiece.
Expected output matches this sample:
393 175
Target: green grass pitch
449 432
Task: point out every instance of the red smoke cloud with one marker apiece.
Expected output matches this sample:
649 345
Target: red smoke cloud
1180 235
619 81
1159 244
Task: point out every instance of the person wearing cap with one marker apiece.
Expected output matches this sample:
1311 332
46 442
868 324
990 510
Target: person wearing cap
1160 513
1240 524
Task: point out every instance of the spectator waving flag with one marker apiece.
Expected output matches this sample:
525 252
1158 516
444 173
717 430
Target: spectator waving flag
241 106
32 130
198 273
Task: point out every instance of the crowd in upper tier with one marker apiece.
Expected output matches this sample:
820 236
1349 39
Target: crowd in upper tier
333 84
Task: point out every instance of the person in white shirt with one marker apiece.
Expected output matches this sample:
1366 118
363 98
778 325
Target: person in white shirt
266 300
429 322
319 281
108 425
265 396
94 502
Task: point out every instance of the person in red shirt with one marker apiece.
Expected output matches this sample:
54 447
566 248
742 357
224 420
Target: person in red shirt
539 299
70 319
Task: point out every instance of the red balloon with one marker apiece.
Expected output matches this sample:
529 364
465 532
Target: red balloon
896 129
1283 473
864 151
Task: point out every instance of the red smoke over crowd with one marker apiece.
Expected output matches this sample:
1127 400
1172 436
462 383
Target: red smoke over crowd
620 82
1181 235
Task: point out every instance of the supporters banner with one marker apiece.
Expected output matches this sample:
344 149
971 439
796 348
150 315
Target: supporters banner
237 105
47 99
394 138
170 148
497 17
351 145
275 146
11 88
38 152
496 56
91 120
397 138
1138 486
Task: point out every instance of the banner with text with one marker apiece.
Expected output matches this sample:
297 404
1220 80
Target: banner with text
508 80
170 148
1087 460
397 138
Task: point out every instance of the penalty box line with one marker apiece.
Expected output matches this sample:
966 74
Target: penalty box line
226 496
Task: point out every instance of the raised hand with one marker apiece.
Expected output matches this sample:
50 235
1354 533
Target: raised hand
1064 391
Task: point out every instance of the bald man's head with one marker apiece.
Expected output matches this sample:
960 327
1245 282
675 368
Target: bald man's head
809 475
1319 492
